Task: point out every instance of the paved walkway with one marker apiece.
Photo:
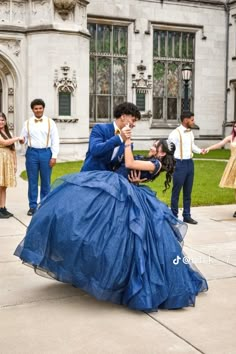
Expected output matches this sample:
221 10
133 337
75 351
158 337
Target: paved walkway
40 316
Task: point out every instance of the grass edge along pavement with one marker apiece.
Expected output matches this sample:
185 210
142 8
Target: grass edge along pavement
206 190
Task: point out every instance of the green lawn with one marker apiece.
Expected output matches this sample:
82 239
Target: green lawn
205 189
216 154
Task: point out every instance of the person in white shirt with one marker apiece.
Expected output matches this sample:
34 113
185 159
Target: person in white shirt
41 136
183 139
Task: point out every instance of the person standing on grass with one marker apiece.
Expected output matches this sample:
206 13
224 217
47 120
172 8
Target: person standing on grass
228 179
41 136
183 177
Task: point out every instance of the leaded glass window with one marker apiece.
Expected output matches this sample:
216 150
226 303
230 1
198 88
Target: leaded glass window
64 103
108 69
140 101
171 51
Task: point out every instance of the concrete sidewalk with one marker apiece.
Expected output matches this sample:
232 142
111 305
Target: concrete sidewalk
38 315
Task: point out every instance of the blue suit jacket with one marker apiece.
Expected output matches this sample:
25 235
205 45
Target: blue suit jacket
102 142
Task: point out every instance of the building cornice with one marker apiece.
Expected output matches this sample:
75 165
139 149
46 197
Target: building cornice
40 28
217 3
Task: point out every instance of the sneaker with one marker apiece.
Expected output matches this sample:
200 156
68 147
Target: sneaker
2 215
31 211
6 212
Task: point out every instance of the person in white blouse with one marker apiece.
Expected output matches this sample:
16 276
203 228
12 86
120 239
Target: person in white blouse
183 177
41 136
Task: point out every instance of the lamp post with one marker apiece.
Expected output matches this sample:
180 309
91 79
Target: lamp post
186 76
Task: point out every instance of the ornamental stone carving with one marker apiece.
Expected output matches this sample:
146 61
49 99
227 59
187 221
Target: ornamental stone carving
141 83
64 7
12 44
19 12
65 83
40 11
4 12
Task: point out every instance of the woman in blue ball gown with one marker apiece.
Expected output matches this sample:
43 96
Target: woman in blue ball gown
114 239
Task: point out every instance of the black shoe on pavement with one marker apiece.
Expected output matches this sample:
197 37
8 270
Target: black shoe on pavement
3 215
6 212
234 214
190 221
31 211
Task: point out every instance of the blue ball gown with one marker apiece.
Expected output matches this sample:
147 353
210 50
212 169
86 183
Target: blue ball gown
113 239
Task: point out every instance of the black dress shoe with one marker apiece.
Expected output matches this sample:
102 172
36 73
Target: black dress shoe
190 221
31 211
234 214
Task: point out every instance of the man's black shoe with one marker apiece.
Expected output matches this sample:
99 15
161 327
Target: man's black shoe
190 221
234 214
31 211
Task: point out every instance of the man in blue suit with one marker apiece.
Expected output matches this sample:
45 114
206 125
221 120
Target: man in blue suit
106 142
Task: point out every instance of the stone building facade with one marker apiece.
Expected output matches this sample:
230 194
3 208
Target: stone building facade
83 57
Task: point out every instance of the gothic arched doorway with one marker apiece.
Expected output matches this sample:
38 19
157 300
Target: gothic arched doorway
7 91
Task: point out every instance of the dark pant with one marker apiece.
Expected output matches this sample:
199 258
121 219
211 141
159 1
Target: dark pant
37 163
182 178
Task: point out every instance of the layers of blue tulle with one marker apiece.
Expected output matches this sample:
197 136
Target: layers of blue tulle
113 239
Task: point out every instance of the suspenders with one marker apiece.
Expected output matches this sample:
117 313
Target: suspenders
181 145
29 138
48 132
48 135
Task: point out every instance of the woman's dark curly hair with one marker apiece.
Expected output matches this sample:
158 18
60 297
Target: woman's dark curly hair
167 161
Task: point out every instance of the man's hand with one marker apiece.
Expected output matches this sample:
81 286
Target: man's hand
125 133
204 151
21 140
134 177
52 162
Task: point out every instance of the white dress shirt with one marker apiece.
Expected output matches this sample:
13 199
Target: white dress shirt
184 143
115 151
36 134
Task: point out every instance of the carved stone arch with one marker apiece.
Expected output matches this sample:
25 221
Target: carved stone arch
10 86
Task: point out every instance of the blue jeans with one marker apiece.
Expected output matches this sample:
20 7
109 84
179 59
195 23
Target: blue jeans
37 164
182 178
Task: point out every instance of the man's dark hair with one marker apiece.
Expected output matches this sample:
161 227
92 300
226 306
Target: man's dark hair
37 102
127 108
186 114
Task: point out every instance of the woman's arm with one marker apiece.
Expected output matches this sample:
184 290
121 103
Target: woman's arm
220 144
10 141
133 164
